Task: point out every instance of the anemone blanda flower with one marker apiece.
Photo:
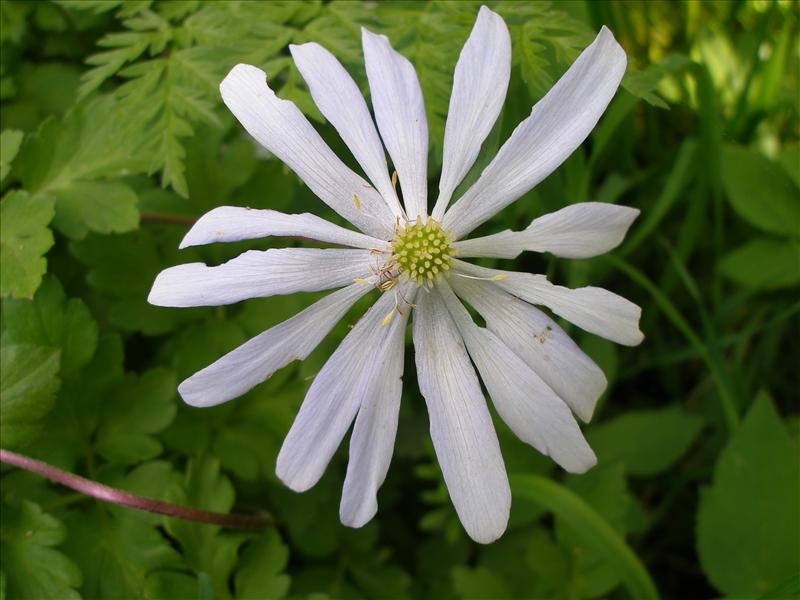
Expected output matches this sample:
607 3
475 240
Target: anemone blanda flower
535 374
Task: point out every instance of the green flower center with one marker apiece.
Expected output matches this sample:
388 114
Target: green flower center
422 251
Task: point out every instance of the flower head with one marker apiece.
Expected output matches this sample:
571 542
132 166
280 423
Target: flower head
536 376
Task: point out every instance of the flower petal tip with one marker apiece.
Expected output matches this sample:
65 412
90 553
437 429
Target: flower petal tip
584 465
357 519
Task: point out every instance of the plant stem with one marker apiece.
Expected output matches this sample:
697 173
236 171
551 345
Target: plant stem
106 493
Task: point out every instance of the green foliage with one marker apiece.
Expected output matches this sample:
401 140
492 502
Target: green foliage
31 567
761 192
24 240
10 140
748 547
764 263
70 159
52 320
145 406
261 569
28 385
115 139
645 442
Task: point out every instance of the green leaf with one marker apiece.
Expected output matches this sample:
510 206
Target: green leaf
479 583
374 575
748 518
93 141
72 423
604 489
261 572
788 590
139 257
171 585
10 140
116 553
52 320
32 568
646 441
595 531
140 407
24 240
28 385
205 548
101 206
543 32
761 191
643 84
764 263
69 159
790 160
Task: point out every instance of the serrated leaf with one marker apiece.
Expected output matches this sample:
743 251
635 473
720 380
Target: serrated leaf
647 441
52 320
31 565
138 256
10 140
116 553
206 549
761 191
101 206
261 572
24 240
643 83
72 422
140 407
93 141
764 263
70 159
748 518
28 385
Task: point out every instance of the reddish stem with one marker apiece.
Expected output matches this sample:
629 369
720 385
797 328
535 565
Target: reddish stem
106 493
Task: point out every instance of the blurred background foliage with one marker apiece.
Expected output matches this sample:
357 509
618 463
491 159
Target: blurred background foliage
114 139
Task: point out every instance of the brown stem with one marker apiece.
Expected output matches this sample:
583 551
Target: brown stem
106 493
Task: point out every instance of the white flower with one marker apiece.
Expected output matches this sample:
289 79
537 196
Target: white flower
533 371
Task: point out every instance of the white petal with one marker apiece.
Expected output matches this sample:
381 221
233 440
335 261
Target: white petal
257 359
372 440
539 342
258 274
461 427
581 230
480 83
558 124
527 405
282 129
235 223
593 309
349 376
338 98
400 113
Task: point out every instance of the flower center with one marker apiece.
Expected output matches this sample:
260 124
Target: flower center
422 251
